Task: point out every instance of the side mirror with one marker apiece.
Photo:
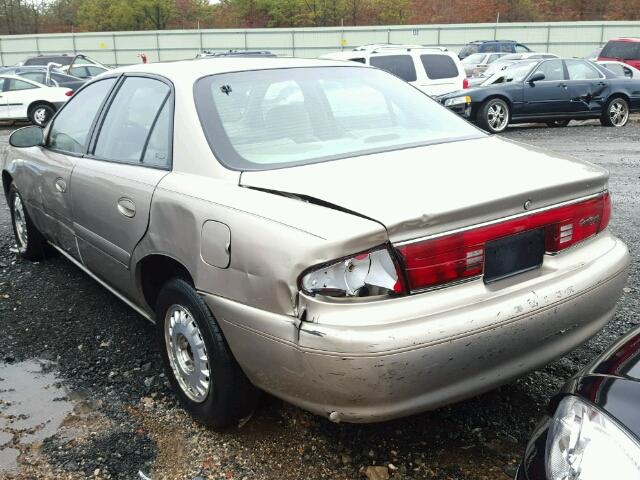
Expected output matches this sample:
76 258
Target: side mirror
31 136
536 77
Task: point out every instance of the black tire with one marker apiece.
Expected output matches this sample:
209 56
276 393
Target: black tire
557 123
487 114
33 247
607 119
230 395
40 114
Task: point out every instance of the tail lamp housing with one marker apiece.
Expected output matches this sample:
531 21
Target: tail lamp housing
458 256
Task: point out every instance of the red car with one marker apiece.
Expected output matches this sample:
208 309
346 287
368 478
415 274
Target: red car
625 50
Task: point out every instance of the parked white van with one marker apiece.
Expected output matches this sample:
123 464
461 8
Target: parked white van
434 70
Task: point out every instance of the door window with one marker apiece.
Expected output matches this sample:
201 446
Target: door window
134 112
93 70
506 47
35 76
580 70
13 84
439 66
70 129
400 65
617 69
80 72
552 70
521 48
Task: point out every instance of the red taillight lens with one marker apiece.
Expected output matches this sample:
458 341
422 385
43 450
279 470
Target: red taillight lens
460 255
465 83
69 93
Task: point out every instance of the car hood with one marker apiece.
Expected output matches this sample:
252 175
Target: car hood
426 190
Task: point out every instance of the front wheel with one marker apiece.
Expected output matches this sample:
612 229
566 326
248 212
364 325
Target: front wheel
557 123
31 244
615 113
209 382
494 115
41 114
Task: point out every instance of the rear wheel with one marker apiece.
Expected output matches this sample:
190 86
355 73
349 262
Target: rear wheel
209 382
494 115
557 123
40 114
31 244
615 113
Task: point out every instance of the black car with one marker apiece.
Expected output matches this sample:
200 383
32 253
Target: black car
487 46
39 74
592 430
552 91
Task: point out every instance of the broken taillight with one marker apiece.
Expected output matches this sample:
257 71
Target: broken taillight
457 256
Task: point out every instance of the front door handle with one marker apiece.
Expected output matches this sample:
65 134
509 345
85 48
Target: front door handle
126 207
61 185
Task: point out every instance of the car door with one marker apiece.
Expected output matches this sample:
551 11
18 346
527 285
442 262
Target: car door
586 87
19 94
113 184
547 97
4 105
67 138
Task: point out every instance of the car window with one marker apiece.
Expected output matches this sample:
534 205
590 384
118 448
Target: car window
439 66
93 70
492 58
400 65
157 152
491 47
506 47
13 84
552 70
623 50
80 72
616 68
521 48
474 58
299 116
35 76
468 50
131 116
70 128
581 70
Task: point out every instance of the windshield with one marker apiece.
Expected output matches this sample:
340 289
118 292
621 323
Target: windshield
474 59
624 50
516 72
258 120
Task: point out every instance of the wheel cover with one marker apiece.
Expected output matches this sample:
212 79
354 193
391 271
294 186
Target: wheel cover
497 117
618 113
20 223
187 353
40 115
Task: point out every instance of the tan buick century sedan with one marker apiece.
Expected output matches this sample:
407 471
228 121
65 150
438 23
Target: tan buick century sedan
318 230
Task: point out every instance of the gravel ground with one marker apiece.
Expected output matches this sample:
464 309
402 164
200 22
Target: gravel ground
124 418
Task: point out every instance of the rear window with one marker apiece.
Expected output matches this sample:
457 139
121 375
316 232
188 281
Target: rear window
400 65
468 50
439 66
624 50
66 60
266 119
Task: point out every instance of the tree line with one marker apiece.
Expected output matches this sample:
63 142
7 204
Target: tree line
45 16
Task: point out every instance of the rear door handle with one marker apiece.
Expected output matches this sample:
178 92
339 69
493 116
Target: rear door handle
563 85
61 185
126 207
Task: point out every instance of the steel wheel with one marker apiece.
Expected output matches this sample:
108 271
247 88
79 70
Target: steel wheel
187 353
618 112
20 223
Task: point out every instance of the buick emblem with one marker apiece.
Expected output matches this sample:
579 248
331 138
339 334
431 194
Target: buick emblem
527 205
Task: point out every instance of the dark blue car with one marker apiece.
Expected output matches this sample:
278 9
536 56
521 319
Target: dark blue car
490 46
551 91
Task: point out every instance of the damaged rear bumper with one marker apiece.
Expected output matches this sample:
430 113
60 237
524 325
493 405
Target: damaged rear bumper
376 360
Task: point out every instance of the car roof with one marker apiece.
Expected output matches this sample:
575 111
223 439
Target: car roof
625 39
193 69
493 41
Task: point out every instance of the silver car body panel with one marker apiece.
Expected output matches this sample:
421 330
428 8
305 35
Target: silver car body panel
354 359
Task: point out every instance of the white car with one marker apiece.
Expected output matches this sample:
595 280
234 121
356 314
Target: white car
434 70
476 63
620 68
22 98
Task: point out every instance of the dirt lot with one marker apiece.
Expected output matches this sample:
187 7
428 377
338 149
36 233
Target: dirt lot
82 393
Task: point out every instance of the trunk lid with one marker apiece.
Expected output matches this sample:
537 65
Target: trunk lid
428 190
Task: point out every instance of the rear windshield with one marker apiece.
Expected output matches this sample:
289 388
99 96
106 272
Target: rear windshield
400 65
623 50
265 119
439 66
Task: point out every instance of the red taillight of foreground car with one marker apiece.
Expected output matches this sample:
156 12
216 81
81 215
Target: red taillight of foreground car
465 83
69 93
457 256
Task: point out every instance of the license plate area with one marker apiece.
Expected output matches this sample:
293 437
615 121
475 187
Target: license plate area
514 254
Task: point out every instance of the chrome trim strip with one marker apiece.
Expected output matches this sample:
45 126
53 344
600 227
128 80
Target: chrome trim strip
499 220
114 292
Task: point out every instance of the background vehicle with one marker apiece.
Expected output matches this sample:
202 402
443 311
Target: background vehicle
79 65
56 78
486 46
505 61
235 53
434 70
552 91
476 63
222 228
23 98
621 69
625 50
592 430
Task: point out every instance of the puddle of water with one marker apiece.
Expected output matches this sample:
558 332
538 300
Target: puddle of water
33 405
